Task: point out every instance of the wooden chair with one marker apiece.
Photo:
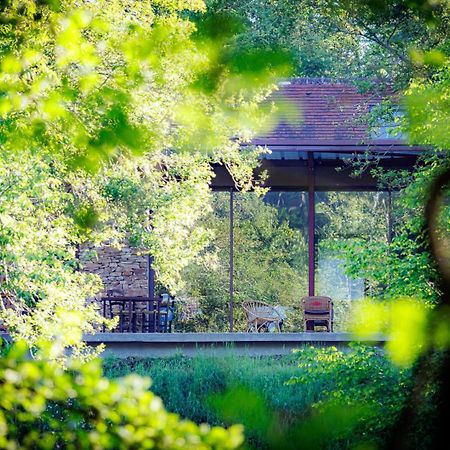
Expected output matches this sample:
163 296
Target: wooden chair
260 316
117 308
317 311
160 318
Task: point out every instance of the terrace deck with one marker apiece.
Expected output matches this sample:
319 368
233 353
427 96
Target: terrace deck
149 345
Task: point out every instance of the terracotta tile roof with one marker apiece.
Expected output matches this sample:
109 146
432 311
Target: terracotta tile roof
321 110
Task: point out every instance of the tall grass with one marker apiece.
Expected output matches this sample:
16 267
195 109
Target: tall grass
260 392
186 383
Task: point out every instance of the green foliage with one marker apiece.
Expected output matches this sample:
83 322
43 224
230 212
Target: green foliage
45 407
369 39
422 328
402 267
324 398
427 102
352 228
186 383
108 133
269 263
361 385
40 226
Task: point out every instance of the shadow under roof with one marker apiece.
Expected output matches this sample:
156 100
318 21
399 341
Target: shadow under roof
328 119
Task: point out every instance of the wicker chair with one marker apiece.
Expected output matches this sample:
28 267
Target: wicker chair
317 311
260 316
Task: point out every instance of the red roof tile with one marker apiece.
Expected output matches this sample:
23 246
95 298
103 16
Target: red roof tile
321 110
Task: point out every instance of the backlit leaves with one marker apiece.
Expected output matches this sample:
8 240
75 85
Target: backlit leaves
43 407
124 93
410 327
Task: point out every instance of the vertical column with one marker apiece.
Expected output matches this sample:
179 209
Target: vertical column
311 225
389 217
150 270
389 232
231 258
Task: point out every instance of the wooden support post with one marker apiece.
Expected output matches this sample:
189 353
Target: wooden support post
389 217
150 270
311 225
231 258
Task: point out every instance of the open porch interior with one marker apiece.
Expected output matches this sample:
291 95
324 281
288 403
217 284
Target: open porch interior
312 155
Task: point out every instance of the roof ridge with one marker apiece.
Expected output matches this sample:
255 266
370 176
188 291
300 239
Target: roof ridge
324 80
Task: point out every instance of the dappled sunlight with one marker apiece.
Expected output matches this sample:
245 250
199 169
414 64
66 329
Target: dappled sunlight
173 166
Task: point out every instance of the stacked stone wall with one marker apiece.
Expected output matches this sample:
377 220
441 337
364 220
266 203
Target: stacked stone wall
123 270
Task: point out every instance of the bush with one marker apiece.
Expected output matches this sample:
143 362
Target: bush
325 398
361 384
43 406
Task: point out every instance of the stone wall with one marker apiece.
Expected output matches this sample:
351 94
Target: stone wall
122 270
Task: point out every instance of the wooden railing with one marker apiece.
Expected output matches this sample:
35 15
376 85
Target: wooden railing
139 314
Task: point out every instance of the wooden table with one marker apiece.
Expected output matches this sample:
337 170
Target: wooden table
138 314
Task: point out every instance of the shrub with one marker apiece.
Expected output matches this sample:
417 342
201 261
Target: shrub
361 383
43 406
336 398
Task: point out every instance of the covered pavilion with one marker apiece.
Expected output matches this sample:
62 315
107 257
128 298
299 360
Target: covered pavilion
310 152
312 148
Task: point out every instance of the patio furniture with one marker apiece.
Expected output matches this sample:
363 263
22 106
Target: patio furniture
317 311
140 314
160 318
167 306
116 307
262 317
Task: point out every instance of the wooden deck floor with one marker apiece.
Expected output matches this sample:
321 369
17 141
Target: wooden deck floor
165 344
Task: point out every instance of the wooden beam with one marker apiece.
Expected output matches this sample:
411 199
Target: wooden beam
311 225
293 175
231 320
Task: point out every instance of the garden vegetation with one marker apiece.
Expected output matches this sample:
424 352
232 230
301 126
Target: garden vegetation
111 113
